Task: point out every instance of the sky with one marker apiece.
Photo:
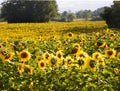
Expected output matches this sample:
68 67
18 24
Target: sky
76 5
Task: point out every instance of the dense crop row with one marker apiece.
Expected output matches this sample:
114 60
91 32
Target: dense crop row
59 57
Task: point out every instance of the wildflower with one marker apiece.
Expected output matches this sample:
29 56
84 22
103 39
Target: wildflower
110 53
24 55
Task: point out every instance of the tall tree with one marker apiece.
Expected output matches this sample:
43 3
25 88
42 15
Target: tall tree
112 15
29 11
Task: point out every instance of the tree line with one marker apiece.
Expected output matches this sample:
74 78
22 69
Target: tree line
17 11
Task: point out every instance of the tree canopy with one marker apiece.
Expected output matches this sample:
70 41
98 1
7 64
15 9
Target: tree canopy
15 11
112 15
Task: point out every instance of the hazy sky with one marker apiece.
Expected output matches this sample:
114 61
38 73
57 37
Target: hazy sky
76 5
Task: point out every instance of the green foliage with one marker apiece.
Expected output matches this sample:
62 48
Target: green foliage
112 15
29 11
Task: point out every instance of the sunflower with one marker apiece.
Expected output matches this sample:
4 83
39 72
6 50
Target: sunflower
101 61
91 64
96 55
70 35
42 64
21 68
81 54
69 61
112 35
110 53
81 63
24 56
53 61
2 58
31 85
29 69
75 48
9 56
118 56
100 44
59 56
46 56
116 70
38 58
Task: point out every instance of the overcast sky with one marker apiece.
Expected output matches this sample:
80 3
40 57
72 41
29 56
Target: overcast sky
76 5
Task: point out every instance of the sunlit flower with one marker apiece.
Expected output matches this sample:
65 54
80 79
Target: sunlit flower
9 56
116 70
96 55
31 85
69 61
42 64
29 69
70 35
24 56
101 61
21 68
38 58
81 54
91 64
110 53
112 35
75 48
46 56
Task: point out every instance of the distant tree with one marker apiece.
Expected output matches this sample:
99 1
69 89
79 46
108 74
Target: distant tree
84 14
112 15
29 11
71 17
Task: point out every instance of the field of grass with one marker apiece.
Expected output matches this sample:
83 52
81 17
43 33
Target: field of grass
59 56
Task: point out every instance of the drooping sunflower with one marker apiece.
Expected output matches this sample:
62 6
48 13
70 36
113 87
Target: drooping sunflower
81 54
42 64
24 56
91 64
96 55
69 61
28 68
81 63
21 68
75 48
110 53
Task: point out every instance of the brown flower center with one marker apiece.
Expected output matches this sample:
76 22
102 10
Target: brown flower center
24 55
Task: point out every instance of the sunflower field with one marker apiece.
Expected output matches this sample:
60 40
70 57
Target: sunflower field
66 56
